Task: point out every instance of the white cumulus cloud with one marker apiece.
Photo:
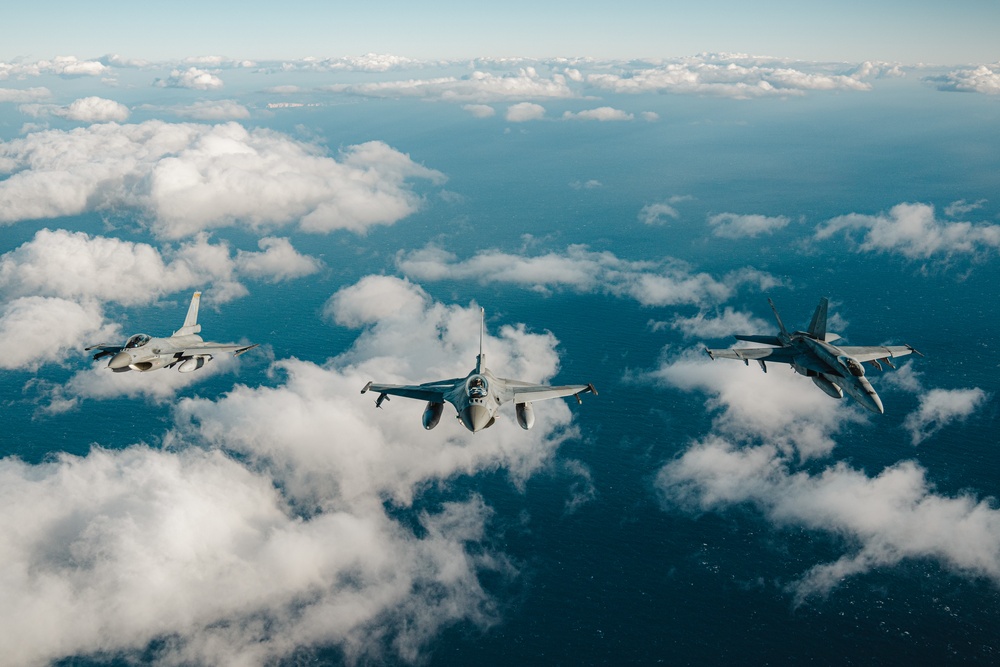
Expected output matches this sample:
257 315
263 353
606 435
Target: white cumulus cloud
940 407
280 518
525 111
736 226
914 231
184 178
661 283
983 79
600 114
193 78
94 110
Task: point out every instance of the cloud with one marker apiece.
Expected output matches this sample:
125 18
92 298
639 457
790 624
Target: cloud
661 283
913 230
725 76
657 214
940 407
370 62
35 330
480 110
24 95
84 110
477 87
279 261
884 520
777 407
198 558
601 114
525 111
983 79
961 207
736 226
77 266
193 78
185 178
765 449
64 66
214 110
724 325
282 518
98 382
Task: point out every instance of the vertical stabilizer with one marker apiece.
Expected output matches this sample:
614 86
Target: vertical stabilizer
817 326
781 325
480 360
191 325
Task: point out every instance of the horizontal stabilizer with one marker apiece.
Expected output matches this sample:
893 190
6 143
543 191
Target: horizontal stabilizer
763 340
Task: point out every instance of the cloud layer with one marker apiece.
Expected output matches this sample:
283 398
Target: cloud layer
765 425
660 283
185 178
280 517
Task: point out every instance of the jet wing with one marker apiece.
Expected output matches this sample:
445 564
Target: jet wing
196 349
781 355
525 392
430 391
875 352
105 350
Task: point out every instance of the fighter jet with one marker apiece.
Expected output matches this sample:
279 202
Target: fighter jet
477 397
833 369
184 348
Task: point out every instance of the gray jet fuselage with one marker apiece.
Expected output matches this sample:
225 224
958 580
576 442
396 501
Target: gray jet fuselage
834 369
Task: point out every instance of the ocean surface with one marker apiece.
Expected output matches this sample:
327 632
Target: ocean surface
602 565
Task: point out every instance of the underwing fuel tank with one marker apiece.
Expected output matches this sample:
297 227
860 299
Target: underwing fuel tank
194 363
829 388
525 415
432 415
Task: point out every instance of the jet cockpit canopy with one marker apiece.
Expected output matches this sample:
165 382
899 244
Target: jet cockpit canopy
853 366
137 340
477 387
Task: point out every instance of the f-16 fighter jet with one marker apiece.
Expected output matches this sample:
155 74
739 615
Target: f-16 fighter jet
477 397
184 348
835 370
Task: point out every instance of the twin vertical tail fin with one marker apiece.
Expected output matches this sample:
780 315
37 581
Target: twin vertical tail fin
191 325
817 326
781 325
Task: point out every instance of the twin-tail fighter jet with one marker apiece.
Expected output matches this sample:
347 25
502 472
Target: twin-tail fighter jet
184 348
835 370
477 397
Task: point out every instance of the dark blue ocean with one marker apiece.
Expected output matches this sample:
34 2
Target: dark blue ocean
624 576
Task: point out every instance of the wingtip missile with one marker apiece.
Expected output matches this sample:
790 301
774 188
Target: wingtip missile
366 387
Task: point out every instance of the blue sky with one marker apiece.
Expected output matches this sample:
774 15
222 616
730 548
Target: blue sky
910 32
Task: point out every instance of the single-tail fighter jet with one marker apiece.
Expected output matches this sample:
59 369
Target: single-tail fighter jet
184 348
835 370
477 397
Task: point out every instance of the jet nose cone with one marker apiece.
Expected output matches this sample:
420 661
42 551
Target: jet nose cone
119 361
475 417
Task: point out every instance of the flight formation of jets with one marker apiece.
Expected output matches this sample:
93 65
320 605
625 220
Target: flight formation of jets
477 397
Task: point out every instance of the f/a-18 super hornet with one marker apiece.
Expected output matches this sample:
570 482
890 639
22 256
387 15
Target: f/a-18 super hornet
184 348
836 370
477 397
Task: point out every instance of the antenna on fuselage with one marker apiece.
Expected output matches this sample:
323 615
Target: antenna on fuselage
482 333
